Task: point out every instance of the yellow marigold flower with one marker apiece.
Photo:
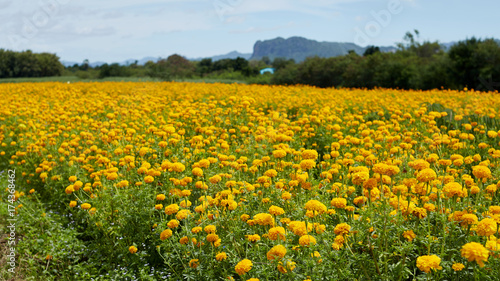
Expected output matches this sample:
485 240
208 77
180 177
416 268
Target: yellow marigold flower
86 206
165 234
453 189
158 206
315 205
182 214
486 227
197 172
171 209
204 163
184 240
212 237
276 211
210 228
391 170
409 235
149 179
360 200
426 175
215 179
77 185
173 223
194 263
342 229
307 164
474 251
458 266
307 240
264 219
243 267
271 173
112 176
280 153
309 154
420 212
253 279
469 219
69 189
492 134
72 179
481 172
178 167
339 239
221 256
123 183
379 168
132 249
278 251
276 233
72 204
339 203
286 195
196 229
253 238
360 177
428 263
336 246
299 228
286 267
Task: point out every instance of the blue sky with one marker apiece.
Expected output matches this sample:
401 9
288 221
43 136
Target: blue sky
114 31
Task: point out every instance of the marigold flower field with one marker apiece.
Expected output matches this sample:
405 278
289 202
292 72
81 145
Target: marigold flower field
189 181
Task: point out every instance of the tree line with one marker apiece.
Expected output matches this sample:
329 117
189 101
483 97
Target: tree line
29 64
472 63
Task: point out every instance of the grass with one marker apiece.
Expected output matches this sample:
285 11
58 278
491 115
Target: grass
73 79
4 247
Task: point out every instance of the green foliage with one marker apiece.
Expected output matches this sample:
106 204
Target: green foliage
28 64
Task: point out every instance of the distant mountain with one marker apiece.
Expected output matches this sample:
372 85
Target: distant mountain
447 46
230 55
142 61
299 48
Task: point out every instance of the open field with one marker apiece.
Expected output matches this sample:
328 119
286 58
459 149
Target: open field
197 181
